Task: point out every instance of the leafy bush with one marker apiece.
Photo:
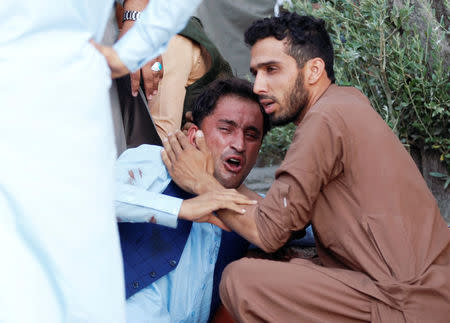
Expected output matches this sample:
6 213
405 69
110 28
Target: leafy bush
379 50
276 143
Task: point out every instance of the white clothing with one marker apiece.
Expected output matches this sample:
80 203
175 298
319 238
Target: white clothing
58 237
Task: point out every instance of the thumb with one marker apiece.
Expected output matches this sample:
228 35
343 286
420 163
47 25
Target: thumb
200 141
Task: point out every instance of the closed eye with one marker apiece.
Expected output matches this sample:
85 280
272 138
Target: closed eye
271 69
224 129
252 135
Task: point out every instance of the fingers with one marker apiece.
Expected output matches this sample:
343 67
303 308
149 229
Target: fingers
150 86
152 73
234 201
116 66
243 200
183 140
104 50
231 200
159 75
168 153
151 80
165 158
200 141
97 46
135 80
186 127
150 77
174 143
232 207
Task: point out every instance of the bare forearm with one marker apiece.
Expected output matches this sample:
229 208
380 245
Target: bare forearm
137 5
206 183
243 224
249 193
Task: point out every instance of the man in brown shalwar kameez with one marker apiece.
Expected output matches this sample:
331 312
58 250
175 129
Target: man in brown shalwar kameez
383 246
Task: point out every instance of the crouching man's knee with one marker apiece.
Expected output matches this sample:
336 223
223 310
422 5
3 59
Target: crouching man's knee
227 283
236 284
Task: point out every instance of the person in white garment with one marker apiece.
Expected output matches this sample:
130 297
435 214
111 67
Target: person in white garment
58 236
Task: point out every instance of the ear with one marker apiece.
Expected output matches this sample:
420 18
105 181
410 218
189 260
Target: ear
191 134
314 70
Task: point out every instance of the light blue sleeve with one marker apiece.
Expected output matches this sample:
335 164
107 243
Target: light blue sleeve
149 36
141 177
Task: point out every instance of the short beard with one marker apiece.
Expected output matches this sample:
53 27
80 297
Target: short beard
296 99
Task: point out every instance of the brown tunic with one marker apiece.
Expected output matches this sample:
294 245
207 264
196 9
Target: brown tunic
378 227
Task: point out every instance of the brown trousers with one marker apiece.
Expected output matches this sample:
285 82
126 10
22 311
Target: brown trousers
259 290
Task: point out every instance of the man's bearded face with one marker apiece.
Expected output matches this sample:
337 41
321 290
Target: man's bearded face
278 81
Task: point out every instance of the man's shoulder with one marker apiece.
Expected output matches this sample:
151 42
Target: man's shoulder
338 102
142 166
336 109
337 96
141 153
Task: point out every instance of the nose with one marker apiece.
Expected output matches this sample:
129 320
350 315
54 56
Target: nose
238 142
259 87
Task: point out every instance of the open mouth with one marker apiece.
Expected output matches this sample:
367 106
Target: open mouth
268 105
233 164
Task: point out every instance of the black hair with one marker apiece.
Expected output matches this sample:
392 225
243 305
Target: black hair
206 102
306 37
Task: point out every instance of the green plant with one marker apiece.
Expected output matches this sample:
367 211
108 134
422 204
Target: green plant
443 177
276 143
378 49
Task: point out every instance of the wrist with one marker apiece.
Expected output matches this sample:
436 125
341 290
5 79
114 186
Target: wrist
135 5
206 184
130 15
181 213
125 26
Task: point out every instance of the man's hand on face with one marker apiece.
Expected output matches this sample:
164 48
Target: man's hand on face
191 168
200 208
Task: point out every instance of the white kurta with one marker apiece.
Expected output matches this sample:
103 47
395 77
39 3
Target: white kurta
58 238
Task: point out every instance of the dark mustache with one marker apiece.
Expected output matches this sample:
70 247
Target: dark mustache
263 97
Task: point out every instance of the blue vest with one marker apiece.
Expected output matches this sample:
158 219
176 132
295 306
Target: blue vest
151 251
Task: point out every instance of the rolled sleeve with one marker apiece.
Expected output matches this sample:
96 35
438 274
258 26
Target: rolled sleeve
281 213
150 35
